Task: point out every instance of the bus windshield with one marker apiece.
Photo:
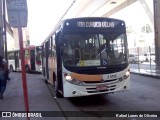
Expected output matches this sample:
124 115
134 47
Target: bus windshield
80 50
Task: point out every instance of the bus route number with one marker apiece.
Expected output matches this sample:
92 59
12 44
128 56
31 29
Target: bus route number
112 76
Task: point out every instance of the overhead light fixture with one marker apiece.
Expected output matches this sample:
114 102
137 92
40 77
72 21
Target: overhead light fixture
113 2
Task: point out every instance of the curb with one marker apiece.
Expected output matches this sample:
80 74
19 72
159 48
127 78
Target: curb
147 75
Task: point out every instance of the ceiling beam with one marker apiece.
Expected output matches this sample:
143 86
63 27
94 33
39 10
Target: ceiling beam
120 7
147 10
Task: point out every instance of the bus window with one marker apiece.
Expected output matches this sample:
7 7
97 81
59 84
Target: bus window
26 54
79 48
11 55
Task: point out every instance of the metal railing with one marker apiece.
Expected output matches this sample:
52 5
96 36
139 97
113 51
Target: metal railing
144 60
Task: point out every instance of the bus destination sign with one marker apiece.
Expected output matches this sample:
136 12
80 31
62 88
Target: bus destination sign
96 24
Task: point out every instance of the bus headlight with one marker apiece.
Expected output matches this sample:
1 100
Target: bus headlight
126 74
72 81
68 78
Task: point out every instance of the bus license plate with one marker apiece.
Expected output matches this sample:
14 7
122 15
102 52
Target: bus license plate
101 88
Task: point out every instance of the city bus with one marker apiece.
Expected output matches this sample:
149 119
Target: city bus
86 56
32 56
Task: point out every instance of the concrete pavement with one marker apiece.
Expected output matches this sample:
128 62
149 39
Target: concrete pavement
39 97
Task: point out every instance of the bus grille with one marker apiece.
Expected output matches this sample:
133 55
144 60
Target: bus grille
103 81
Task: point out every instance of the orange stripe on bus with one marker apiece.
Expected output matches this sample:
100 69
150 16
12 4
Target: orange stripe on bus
83 77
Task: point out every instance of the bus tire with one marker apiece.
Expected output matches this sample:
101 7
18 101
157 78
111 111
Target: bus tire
27 69
58 94
11 68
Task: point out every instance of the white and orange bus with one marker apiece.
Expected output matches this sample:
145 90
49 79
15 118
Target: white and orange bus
87 56
32 56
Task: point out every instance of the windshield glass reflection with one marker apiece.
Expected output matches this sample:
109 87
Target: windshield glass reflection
94 50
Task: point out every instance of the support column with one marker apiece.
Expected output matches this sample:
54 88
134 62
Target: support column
157 31
1 31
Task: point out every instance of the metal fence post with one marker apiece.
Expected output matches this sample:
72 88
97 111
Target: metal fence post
138 59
